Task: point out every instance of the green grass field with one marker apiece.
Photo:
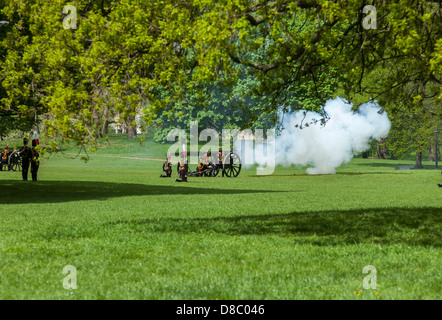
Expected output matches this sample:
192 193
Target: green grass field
132 235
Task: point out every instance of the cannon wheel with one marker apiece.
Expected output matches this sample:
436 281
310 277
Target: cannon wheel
16 166
215 171
16 163
232 165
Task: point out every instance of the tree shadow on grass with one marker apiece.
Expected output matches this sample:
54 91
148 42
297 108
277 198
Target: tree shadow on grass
395 165
16 192
392 164
410 226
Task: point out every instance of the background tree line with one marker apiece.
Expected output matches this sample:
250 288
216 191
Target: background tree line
229 63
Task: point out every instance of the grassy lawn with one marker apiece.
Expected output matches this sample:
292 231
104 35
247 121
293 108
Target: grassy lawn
132 235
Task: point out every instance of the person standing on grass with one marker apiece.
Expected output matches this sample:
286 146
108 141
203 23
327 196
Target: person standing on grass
4 159
220 160
35 160
26 154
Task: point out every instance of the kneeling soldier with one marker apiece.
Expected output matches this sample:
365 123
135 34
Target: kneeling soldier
203 165
167 168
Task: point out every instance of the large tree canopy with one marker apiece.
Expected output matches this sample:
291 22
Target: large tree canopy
159 53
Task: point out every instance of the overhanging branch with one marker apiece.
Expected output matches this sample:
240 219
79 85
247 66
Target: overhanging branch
261 67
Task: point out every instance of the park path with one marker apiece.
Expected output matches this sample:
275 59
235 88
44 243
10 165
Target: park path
134 158
120 157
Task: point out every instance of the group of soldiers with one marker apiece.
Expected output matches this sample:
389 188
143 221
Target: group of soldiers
29 157
183 167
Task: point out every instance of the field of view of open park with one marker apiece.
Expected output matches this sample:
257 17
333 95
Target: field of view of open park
220 150
289 235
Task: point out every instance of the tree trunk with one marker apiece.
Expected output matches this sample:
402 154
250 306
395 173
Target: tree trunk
131 128
131 132
418 163
96 123
432 152
382 151
105 129
419 149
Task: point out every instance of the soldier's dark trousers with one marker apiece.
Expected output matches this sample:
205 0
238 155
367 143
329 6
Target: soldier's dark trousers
167 175
34 170
183 175
25 169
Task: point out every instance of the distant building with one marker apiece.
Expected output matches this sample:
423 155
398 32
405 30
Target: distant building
118 126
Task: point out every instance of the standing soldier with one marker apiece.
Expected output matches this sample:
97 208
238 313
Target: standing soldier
4 159
220 159
167 168
209 158
25 153
209 161
35 160
182 168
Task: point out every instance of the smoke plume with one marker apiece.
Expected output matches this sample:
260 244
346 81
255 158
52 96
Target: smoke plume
304 141
325 148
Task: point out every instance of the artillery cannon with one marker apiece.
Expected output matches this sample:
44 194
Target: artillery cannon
14 161
230 167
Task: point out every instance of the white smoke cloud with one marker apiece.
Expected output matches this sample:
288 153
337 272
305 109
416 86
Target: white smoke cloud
325 148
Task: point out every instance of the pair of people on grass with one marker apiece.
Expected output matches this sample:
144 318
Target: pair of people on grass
30 157
182 168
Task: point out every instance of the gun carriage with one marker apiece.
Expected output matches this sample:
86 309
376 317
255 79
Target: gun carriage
13 163
230 166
